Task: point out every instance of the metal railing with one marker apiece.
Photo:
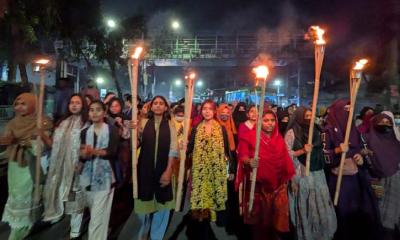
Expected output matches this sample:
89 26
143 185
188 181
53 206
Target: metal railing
220 46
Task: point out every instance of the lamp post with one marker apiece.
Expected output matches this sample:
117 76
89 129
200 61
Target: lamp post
99 80
278 84
175 25
111 23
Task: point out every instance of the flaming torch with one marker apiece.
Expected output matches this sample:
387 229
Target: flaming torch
355 80
189 89
133 69
261 74
42 63
316 34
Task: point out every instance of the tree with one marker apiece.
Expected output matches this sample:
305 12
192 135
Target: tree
79 24
82 25
109 44
23 24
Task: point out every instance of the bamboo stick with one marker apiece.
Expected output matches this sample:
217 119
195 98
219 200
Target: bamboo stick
39 120
133 68
355 86
257 149
189 88
319 58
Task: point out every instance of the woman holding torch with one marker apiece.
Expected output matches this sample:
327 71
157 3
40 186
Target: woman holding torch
21 211
357 210
270 213
311 208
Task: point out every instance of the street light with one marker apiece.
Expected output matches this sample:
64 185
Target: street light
178 82
111 23
278 83
100 80
199 83
175 25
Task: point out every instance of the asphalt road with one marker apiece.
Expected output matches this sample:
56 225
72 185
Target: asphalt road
60 230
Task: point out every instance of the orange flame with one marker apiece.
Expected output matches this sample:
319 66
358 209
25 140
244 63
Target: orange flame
317 34
261 71
137 53
360 64
42 61
191 75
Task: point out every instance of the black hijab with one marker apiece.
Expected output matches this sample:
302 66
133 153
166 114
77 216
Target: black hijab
337 120
282 113
386 147
300 127
239 116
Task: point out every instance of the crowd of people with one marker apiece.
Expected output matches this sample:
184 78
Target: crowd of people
87 168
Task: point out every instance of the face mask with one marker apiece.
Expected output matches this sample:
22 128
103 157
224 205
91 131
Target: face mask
282 127
179 119
384 128
224 117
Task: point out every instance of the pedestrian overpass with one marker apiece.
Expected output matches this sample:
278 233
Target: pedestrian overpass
224 50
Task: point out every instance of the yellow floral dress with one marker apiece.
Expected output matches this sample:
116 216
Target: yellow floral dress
209 172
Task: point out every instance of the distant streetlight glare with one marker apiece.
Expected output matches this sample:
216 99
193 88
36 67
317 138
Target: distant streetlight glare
175 25
111 23
199 83
178 82
278 83
100 80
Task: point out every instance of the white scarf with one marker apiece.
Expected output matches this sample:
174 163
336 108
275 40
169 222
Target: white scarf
97 172
64 156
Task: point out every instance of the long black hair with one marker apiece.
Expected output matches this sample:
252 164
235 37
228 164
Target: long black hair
84 112
166 115
121 104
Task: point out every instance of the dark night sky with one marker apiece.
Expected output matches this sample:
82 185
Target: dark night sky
354 25
355 28
216 13
341 17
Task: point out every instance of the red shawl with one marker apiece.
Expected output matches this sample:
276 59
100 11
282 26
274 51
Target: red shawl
275 167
